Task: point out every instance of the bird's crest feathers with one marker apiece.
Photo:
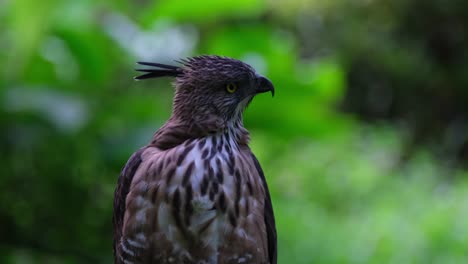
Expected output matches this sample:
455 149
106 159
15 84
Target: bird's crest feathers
160 70
204 66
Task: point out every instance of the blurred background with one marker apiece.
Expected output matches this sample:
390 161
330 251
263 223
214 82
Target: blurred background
365 145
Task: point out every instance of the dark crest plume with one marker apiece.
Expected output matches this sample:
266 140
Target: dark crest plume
160 70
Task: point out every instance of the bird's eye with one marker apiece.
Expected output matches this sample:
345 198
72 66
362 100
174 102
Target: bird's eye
231 87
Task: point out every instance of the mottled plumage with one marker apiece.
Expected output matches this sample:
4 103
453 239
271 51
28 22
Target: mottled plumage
196 193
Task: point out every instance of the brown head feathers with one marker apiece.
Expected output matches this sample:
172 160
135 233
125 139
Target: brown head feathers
202 68
211 93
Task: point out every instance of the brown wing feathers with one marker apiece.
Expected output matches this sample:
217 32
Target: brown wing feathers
269 216
123 187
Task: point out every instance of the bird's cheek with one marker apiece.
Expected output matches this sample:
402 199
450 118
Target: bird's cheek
246 93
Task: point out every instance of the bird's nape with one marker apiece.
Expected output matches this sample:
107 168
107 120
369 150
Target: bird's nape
160 70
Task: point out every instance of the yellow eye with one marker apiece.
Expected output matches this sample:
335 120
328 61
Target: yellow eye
231 87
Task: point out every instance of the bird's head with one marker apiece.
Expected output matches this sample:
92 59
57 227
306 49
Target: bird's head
211 87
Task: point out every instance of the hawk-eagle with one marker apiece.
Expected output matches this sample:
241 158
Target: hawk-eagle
196 193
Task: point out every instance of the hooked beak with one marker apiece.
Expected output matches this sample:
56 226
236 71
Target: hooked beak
264 85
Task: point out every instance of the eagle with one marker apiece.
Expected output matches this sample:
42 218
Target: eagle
196 193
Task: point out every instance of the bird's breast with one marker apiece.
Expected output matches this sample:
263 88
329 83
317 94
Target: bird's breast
199 197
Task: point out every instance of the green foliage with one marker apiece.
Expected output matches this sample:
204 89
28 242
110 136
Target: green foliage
205 11
343 191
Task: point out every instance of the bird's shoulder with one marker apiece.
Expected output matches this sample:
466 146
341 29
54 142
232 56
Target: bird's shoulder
121 191
137 187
